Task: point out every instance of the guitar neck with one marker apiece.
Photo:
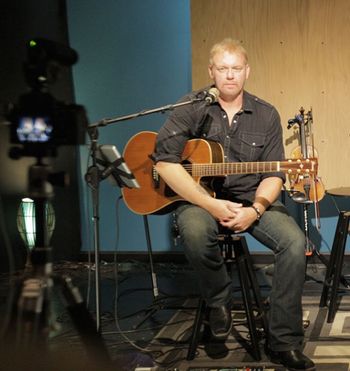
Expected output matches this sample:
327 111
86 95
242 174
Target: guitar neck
231 168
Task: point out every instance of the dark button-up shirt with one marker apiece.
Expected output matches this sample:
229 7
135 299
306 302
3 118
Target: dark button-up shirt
254 135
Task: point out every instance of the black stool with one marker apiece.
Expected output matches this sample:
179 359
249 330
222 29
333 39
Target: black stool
334 269
234 249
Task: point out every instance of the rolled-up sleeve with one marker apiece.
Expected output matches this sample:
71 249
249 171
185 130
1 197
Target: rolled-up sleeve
274 150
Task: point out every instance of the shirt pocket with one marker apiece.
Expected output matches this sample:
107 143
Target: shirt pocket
252 146
215 133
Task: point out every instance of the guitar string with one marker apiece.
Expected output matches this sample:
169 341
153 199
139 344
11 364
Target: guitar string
244 167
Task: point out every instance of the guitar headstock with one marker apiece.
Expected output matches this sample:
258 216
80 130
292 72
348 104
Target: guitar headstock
300 166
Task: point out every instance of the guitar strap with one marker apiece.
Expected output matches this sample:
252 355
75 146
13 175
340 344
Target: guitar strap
204 126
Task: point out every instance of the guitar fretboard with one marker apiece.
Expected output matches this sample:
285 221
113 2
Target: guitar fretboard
217 169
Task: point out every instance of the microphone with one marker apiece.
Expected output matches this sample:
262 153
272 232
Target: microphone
211 96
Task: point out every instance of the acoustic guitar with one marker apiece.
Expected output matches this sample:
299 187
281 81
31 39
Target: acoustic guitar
202 159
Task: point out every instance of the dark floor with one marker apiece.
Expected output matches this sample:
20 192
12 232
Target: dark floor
147 328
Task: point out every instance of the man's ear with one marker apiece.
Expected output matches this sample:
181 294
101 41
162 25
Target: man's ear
247 72
210 72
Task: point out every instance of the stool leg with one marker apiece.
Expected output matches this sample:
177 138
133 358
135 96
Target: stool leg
342 237
331 263
247 300
201 310
254 284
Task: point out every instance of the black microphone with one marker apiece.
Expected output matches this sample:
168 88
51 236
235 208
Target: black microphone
211 96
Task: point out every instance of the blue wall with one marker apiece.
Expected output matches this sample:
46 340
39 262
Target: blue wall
136 55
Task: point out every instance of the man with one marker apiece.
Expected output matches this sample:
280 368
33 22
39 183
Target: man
248 129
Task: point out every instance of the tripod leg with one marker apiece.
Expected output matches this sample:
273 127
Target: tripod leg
84 322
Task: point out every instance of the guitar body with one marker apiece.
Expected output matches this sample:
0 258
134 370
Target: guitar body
154 196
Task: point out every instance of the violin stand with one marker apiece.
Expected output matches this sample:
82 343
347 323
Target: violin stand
310 248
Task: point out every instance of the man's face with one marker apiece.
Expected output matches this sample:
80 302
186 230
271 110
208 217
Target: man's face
229 72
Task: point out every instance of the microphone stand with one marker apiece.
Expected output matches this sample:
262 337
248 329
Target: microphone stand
93 178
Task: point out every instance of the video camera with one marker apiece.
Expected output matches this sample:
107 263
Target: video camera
39 122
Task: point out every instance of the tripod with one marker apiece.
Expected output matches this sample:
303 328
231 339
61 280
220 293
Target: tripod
32 320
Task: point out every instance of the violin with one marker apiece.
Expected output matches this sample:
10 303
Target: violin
310 186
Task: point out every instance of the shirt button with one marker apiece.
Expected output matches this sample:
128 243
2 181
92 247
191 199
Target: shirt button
227 137
254 144
234 121
224 116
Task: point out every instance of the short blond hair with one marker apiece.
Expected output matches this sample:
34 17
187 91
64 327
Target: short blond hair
227 45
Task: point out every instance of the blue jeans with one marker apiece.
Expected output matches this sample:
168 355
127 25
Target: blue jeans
279 232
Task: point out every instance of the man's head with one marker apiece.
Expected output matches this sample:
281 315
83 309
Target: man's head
228 68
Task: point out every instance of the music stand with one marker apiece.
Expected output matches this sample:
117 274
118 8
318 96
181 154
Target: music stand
107 164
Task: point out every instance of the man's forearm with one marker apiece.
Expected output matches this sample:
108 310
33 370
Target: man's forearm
268 191
181 182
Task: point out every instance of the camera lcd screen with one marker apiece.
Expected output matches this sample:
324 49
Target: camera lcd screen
34 130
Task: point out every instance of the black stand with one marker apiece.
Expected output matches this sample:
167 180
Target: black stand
331 290
111 165
155 290
310 248
333 275
31 319
304 197
93 178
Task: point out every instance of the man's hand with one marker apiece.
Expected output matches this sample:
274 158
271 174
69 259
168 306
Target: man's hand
243 218
223 210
